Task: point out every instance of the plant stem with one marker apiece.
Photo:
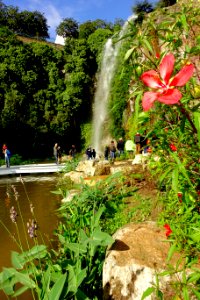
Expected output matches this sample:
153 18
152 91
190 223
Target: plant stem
186 113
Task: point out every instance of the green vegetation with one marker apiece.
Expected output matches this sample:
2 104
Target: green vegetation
52 100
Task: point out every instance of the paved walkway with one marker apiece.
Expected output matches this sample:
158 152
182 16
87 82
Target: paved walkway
31 169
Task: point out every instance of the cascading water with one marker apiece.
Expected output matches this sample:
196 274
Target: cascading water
100 112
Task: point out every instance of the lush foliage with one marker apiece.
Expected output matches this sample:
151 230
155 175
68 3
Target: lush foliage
73 269
47 92
32 24
171 120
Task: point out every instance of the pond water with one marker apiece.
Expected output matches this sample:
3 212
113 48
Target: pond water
33 193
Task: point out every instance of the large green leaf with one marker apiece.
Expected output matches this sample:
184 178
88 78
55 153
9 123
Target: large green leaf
148 292
57 288
76 247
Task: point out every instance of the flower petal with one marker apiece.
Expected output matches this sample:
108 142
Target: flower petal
171 96
152 79
183 76
148 100
166 67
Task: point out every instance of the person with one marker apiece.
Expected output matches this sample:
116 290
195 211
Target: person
72 151
130 148
4 147
7 157
89 153
106 152
120 146
112 150
137 140
55 152
59 153
93 153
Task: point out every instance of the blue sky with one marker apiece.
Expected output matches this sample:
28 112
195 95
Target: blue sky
80 10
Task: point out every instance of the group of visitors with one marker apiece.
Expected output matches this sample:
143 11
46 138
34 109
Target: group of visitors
57 153
112 151
90 153
137 146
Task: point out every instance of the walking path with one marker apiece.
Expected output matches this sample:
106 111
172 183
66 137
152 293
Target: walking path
31 169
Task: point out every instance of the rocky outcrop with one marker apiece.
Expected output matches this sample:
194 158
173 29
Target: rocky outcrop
131 264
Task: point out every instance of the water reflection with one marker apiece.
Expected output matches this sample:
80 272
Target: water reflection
32 199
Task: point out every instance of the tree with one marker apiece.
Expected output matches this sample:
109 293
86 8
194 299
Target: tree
140 9
68 28
86 28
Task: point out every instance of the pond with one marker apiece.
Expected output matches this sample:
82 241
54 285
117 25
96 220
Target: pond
33 193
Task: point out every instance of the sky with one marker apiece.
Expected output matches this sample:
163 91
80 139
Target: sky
80 10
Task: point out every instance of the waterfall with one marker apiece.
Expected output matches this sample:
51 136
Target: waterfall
105 77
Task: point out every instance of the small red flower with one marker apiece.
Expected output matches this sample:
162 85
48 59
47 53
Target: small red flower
168 230
166 129
157 55
179 194
173 147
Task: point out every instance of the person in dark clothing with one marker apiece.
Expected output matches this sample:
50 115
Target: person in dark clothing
120 146
112 151
59 153
93 153
106 152
72 151
89 153
137 140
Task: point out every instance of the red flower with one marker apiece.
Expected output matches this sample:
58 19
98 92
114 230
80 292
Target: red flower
173 147
168 230
180 195
157 55
163 86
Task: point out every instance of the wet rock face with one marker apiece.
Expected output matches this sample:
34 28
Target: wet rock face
131 264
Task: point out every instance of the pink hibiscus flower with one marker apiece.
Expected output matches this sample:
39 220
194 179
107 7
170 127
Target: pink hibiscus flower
163 85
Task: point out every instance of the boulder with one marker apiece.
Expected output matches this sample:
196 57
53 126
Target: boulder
87 167
131 263
76 177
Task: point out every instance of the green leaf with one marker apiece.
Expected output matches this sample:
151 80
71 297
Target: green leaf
37 252
97 216
104 238
148 292
148 45
197 124
72 280
17 260
25 280
76 247
172 250
185 293
129 53
81 296
57 288
184 22
175 180
20 291
197 294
